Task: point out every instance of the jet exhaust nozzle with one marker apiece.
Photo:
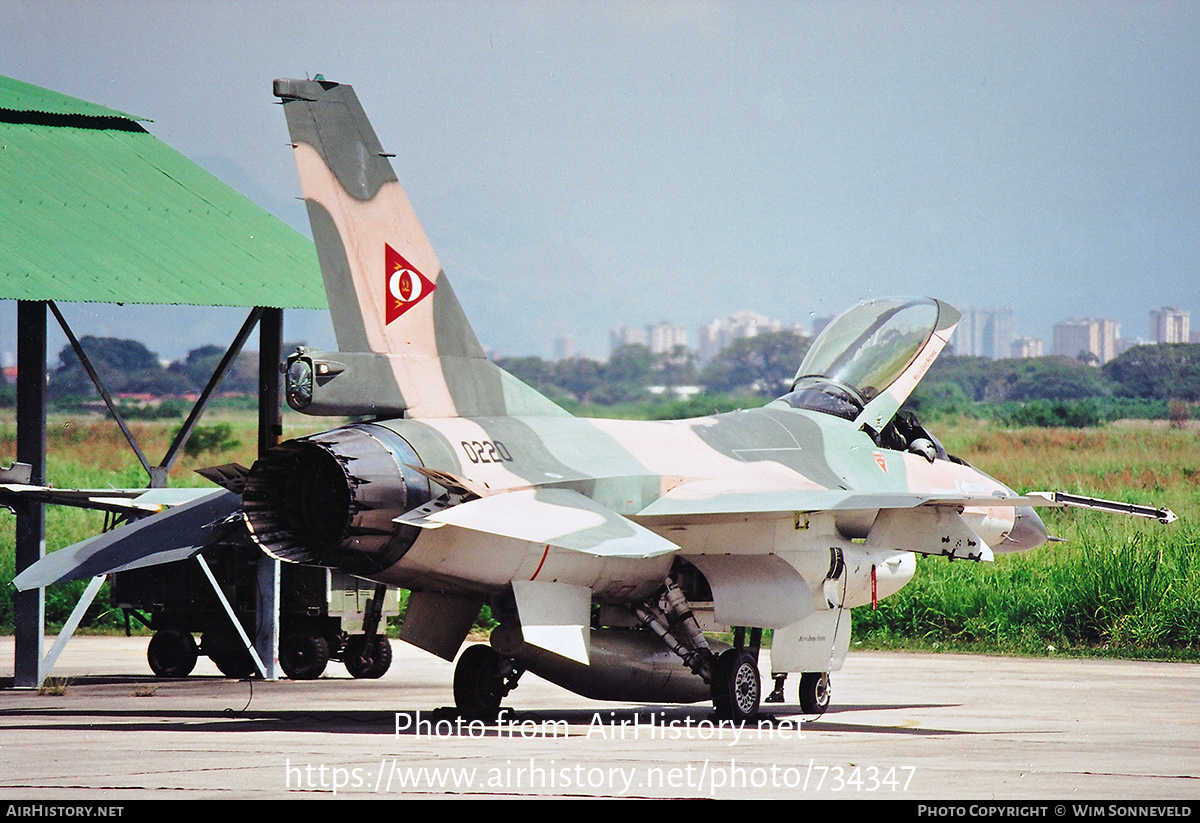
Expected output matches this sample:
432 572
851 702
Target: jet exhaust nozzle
330 499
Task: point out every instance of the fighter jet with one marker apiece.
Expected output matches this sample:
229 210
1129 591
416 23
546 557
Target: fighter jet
610 551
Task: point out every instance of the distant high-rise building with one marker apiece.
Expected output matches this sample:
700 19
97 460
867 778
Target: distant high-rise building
659 338
1087 339
627 335
1169 325
664 337
984 333
564 347
1110 336
740 325
1024 347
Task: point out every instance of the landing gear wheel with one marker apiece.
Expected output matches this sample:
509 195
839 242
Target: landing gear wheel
367 657
737 686
303 657
814 692
172 653
480 681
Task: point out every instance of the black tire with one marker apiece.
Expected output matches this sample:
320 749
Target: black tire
303 657
737 686
230 657
172 653
815 692
367 657
479 681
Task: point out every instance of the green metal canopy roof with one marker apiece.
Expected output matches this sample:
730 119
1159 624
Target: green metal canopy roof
95 209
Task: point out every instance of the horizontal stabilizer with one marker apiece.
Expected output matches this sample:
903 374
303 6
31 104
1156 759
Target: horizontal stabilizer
173 535
556 517
121 501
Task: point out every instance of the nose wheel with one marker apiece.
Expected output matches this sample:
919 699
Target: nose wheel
815 692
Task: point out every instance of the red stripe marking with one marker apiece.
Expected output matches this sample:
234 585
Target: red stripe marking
541 563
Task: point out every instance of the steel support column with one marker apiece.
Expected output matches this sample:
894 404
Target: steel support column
270 432
29 607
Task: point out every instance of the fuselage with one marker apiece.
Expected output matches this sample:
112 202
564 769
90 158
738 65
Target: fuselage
740 461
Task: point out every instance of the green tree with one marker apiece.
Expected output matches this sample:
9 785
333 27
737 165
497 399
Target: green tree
764 365
980 378
1037 378
676 367
123 366
1053 378
533 371
579 377
631 363
1163 371
938 397
200 364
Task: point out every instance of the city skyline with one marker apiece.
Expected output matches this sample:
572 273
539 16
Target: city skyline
981 332
582 166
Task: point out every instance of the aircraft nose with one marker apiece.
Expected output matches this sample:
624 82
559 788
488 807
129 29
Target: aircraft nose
1027 532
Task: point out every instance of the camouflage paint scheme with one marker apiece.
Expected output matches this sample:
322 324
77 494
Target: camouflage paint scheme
604 504
469 487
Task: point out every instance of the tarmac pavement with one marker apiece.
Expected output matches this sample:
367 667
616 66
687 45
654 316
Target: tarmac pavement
902 726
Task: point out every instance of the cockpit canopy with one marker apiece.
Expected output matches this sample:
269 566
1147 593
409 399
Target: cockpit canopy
867 361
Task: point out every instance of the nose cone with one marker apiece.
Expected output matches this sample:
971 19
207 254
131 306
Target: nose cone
1027 532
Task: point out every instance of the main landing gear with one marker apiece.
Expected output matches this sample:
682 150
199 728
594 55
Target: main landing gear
732 676
483 678
736 685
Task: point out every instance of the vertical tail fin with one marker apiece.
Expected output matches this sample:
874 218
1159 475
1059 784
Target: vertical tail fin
388 295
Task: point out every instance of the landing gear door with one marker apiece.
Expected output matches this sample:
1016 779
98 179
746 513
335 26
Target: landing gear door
818 643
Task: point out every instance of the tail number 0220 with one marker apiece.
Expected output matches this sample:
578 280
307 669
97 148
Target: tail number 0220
486 451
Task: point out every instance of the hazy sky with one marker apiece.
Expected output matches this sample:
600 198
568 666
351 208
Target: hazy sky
586 165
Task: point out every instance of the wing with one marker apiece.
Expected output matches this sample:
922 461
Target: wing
709 498
926 523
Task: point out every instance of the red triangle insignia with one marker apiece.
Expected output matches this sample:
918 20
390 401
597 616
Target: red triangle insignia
404 286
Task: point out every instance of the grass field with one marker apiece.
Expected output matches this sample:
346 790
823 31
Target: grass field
1118 586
